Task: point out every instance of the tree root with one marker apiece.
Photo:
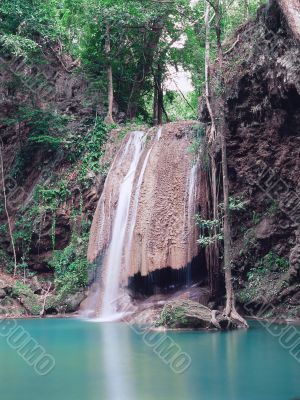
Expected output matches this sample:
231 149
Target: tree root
187 314
214 320
233 315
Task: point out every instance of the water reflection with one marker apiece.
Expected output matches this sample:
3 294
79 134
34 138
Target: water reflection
117 362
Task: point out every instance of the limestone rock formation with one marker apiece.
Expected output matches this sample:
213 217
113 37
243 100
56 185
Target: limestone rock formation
160 231
144 221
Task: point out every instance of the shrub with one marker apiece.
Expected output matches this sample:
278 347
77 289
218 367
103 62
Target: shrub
26 297
70 266
265 279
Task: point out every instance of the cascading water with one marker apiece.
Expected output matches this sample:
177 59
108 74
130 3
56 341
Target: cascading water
135 203
144 219
191 211
115 251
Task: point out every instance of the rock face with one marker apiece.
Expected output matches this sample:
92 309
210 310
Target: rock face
294 260
63 92
262 77
291 10
164 234
151 193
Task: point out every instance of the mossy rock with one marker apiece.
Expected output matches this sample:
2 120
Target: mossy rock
184 314
187 314
27 298
52 305
32 305
6 302
66 303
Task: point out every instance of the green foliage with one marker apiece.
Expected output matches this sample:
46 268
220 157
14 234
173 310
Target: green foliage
210 231
47 131
181 107
92 146
141 35
271 262
210 225
198 138
272 208
83 148
256 217
172 317
51 195
6 262
71 266
235 204
20 289
3 228
23 230
46 127
25 22
18 45
205 241
233 14
266 279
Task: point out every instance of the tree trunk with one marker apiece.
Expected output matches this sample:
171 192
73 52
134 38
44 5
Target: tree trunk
230 310
207 83
155 103
214 247
110 88
6 210
247 9
144 68
158 103
160 96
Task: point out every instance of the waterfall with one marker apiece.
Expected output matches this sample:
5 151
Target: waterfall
146 208
115 250
135 205
191 211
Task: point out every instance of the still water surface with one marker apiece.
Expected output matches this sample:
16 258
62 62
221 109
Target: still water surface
109 361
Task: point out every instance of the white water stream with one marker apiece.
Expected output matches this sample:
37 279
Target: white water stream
115 250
